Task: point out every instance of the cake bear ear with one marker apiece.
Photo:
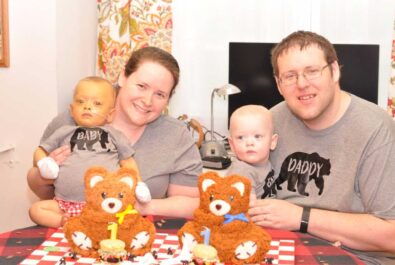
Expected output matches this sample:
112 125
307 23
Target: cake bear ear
207 179
95 179
207 183
128 180
127 176
240 187
94 175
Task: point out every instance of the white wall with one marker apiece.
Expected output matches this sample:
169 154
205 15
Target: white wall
76 27
26 87
52 44
203 29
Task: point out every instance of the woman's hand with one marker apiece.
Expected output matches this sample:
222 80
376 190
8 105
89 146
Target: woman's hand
278 214
60 154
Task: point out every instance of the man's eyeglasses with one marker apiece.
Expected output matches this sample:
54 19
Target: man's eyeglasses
310 73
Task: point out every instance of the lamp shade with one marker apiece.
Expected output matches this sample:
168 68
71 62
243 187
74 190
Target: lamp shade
227 89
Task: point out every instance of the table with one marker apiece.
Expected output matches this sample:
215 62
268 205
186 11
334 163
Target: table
16 245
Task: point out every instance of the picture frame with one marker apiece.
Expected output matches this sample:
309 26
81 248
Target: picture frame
4 41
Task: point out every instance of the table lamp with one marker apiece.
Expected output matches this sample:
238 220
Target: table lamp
214 150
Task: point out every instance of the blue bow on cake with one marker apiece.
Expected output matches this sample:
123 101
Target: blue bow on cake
233 217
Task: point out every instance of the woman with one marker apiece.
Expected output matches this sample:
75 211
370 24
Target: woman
168 160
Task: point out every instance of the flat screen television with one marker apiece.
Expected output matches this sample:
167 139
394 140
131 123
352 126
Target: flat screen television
250 70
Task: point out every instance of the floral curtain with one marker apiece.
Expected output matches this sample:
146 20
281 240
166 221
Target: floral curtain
391 93
127 25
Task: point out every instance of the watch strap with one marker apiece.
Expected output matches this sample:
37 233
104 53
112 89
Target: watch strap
304 223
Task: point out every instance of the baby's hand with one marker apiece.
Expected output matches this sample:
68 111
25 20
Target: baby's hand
143 194
49 169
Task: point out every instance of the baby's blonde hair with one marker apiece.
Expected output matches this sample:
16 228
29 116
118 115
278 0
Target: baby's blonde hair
251 110
97 80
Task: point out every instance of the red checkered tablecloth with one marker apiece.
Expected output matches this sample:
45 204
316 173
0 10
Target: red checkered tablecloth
17 245
51 251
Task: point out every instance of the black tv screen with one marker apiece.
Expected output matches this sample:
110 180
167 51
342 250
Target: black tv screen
250 69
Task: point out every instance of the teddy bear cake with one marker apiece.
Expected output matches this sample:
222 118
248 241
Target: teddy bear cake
109 227
222 222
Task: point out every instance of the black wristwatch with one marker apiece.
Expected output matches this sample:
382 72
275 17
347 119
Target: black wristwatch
304 223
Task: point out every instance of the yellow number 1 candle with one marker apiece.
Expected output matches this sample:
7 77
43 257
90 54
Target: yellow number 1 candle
114 229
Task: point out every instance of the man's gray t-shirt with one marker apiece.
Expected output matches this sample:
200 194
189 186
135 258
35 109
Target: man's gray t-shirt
99 146
348 167
165 153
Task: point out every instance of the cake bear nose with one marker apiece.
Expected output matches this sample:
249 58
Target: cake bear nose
111 205
218 206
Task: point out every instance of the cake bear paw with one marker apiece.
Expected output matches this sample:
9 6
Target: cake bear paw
140 240
188 240
81 240
245 250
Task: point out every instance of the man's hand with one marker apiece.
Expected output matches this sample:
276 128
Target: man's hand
278 214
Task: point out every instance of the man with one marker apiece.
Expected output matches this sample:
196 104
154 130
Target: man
335 158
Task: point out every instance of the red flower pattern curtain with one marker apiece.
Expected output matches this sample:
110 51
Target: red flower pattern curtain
127 25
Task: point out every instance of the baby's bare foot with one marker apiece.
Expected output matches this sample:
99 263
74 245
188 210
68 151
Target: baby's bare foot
65 218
